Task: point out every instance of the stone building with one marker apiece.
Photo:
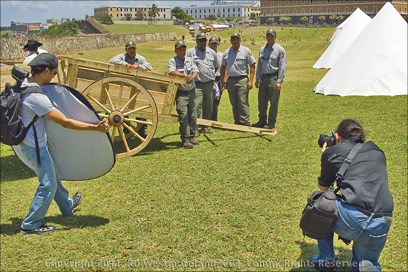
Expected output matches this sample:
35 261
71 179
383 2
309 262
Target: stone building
137 12
224 9
313 9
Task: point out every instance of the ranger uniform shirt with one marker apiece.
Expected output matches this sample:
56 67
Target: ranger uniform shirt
237 62
206 62
187 67
272 60
122 59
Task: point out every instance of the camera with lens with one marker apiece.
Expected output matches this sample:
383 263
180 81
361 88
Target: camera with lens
330 140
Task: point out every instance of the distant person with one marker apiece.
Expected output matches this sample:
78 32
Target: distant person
130 59
184 67
43 69
235 62
207 64
213 44
269 77
33 50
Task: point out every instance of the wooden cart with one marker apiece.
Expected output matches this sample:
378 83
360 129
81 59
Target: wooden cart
133 101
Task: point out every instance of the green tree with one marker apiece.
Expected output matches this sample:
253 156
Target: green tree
254 17
64 29
322 19
128 16
270 20
105 19
211 17
140 14
153 11
285 19
180 14
340 18
333 17
304 19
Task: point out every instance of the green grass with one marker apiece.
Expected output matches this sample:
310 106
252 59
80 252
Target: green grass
232 203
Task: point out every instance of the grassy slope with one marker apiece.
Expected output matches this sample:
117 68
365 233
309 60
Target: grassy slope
234 201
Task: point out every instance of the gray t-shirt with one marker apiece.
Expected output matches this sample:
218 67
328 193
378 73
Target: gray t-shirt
32 105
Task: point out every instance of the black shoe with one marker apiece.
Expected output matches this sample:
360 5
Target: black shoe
269 126
76 199
40 230
258 125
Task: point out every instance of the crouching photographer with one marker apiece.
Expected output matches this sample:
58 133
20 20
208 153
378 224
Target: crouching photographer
364 202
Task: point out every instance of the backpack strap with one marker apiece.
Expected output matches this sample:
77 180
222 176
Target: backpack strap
29 90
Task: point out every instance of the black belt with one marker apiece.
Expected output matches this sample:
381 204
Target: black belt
376 215
204 82
186 91
273 74
236 77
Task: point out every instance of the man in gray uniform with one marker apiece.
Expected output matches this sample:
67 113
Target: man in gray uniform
184 67
235 61
269 77
213 44
130 59
207 64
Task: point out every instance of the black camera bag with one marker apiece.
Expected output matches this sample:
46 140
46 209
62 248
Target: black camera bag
320 214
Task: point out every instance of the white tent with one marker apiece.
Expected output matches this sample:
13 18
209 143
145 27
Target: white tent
375 63
342 38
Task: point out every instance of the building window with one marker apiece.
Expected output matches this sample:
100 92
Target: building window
311 11
346 10
279 3
303 11
287 11
320 10
365 9
311 1
337 10
279 11
239 9
228 10
294 11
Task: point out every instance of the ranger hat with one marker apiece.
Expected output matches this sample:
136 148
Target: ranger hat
201 36
31 45
45 59
179 43
213 39
130 44
235 35
271 31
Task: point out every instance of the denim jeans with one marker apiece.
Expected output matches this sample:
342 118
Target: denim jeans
50 188
368 235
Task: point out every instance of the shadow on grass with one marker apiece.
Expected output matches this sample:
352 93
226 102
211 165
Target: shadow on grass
302 263
75 221
13 169
157 144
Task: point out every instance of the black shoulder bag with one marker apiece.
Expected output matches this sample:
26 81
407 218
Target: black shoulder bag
320 214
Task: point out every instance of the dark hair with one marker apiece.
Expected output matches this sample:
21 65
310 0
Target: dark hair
37 69
350 127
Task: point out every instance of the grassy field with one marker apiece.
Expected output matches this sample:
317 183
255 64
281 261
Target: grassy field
232 203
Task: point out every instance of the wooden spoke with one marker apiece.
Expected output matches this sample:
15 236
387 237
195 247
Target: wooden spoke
129 109
130 101
99 104
136 110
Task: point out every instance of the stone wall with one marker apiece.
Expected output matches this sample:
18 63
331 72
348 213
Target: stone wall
12 48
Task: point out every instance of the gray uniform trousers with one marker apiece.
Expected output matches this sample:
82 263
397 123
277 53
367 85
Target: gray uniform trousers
187 111
267 93
238 94
204 99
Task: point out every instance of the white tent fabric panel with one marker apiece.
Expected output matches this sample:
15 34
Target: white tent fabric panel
375 63
343 37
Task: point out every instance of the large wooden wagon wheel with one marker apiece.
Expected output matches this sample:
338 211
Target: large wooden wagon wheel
128 107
